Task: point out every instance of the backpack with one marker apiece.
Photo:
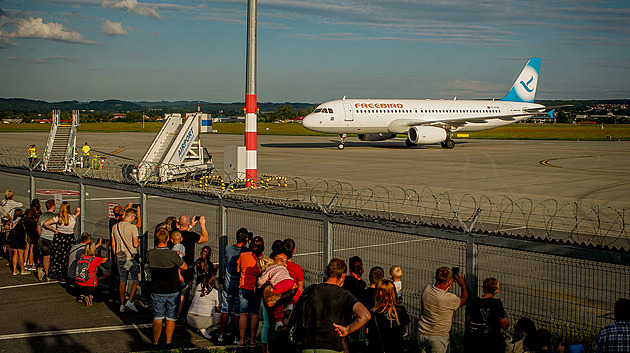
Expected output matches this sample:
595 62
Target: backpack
83 275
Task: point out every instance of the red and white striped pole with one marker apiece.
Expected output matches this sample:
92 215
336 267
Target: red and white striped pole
250 97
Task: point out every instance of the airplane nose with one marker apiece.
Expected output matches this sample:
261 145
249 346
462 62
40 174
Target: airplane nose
308 121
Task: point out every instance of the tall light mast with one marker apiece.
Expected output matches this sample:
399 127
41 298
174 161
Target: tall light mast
250 96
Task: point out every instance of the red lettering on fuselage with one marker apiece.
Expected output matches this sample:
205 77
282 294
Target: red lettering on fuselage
378 105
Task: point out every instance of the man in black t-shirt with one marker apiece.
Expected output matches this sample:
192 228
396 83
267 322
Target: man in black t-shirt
323 314
164 264
485 317
189 239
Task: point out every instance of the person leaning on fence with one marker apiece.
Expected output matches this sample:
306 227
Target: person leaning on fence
63 227
46 237
353 282
230 303
485 318
164 265
387 327
437 308
125 243
615 338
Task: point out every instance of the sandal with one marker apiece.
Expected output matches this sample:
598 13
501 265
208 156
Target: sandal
252 343
88 300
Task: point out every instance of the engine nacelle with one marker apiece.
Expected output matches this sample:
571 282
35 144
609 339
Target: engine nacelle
375 137
427 135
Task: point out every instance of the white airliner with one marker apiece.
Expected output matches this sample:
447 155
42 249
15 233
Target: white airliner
427 121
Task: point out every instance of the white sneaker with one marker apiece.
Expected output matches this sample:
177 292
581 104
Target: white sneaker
131 306
122 309
220 338
205 333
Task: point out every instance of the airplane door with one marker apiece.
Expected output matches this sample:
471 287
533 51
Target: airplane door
347 109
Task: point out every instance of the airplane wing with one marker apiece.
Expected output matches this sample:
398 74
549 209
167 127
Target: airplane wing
400 126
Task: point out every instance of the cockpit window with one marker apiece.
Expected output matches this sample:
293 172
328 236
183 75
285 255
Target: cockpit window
317 110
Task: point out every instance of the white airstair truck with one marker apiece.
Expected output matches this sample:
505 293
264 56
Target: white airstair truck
176 152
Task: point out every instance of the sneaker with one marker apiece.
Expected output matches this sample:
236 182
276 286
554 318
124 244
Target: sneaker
205 333
220 338
236 340
131 306
122 309
26 272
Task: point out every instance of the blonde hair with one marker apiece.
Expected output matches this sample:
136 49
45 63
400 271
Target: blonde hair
64 214
90 249
395 272
8 194
385 300
176 236
168 223
263 263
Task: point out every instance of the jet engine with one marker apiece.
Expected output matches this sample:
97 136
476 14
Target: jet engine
427 135
375 137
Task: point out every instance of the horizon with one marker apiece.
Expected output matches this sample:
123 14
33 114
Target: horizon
148 51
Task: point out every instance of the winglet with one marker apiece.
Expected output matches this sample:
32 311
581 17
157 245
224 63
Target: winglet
550 113
524 89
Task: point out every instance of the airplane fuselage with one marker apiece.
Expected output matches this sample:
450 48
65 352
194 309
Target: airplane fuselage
373 116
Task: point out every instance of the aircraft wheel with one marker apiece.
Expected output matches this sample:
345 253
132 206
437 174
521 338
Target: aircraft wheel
340 146
408 143
448 144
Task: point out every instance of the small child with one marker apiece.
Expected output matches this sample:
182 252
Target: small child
395 273
86 272
178 247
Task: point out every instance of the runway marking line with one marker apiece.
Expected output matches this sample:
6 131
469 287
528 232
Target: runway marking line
28 285
74 331
546 163
368 246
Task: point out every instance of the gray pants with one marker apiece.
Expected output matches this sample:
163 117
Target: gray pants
206 322
434 344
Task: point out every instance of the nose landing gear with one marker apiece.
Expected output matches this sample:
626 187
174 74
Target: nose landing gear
342 141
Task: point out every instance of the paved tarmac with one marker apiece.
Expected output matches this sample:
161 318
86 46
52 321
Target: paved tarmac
595 172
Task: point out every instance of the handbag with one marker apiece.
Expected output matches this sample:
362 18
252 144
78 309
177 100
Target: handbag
136 256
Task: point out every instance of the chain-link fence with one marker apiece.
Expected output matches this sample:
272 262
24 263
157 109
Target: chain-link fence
564 282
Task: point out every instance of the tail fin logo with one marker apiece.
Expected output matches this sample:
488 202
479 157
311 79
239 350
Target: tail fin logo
526 85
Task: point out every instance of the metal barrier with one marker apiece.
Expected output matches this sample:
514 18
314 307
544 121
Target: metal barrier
566 286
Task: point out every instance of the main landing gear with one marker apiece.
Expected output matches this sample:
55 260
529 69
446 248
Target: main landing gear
408 143
342 141
448 144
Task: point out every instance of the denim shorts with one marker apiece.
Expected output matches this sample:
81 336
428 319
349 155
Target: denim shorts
250 301
230 301
165 306
128 270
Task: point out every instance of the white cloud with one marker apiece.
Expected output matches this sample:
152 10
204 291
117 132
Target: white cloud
36 28
133 7
50 59
114 28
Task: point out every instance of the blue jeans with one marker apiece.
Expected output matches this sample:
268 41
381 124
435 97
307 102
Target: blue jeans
165 306
250 301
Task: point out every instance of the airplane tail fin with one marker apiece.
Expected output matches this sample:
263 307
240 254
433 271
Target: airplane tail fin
524 89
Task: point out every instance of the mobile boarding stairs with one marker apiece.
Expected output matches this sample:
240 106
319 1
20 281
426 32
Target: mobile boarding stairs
59 155
175 152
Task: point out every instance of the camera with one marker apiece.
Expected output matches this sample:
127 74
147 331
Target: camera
135 206
196 218
455 271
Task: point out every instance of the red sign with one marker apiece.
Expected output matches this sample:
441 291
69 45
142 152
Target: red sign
110 209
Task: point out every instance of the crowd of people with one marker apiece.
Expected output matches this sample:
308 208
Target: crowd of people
341 314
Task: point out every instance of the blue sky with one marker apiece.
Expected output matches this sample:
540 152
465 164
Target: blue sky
311 50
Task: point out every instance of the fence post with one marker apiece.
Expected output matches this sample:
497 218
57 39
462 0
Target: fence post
82 207
472 268
223 241
329 245
32 191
